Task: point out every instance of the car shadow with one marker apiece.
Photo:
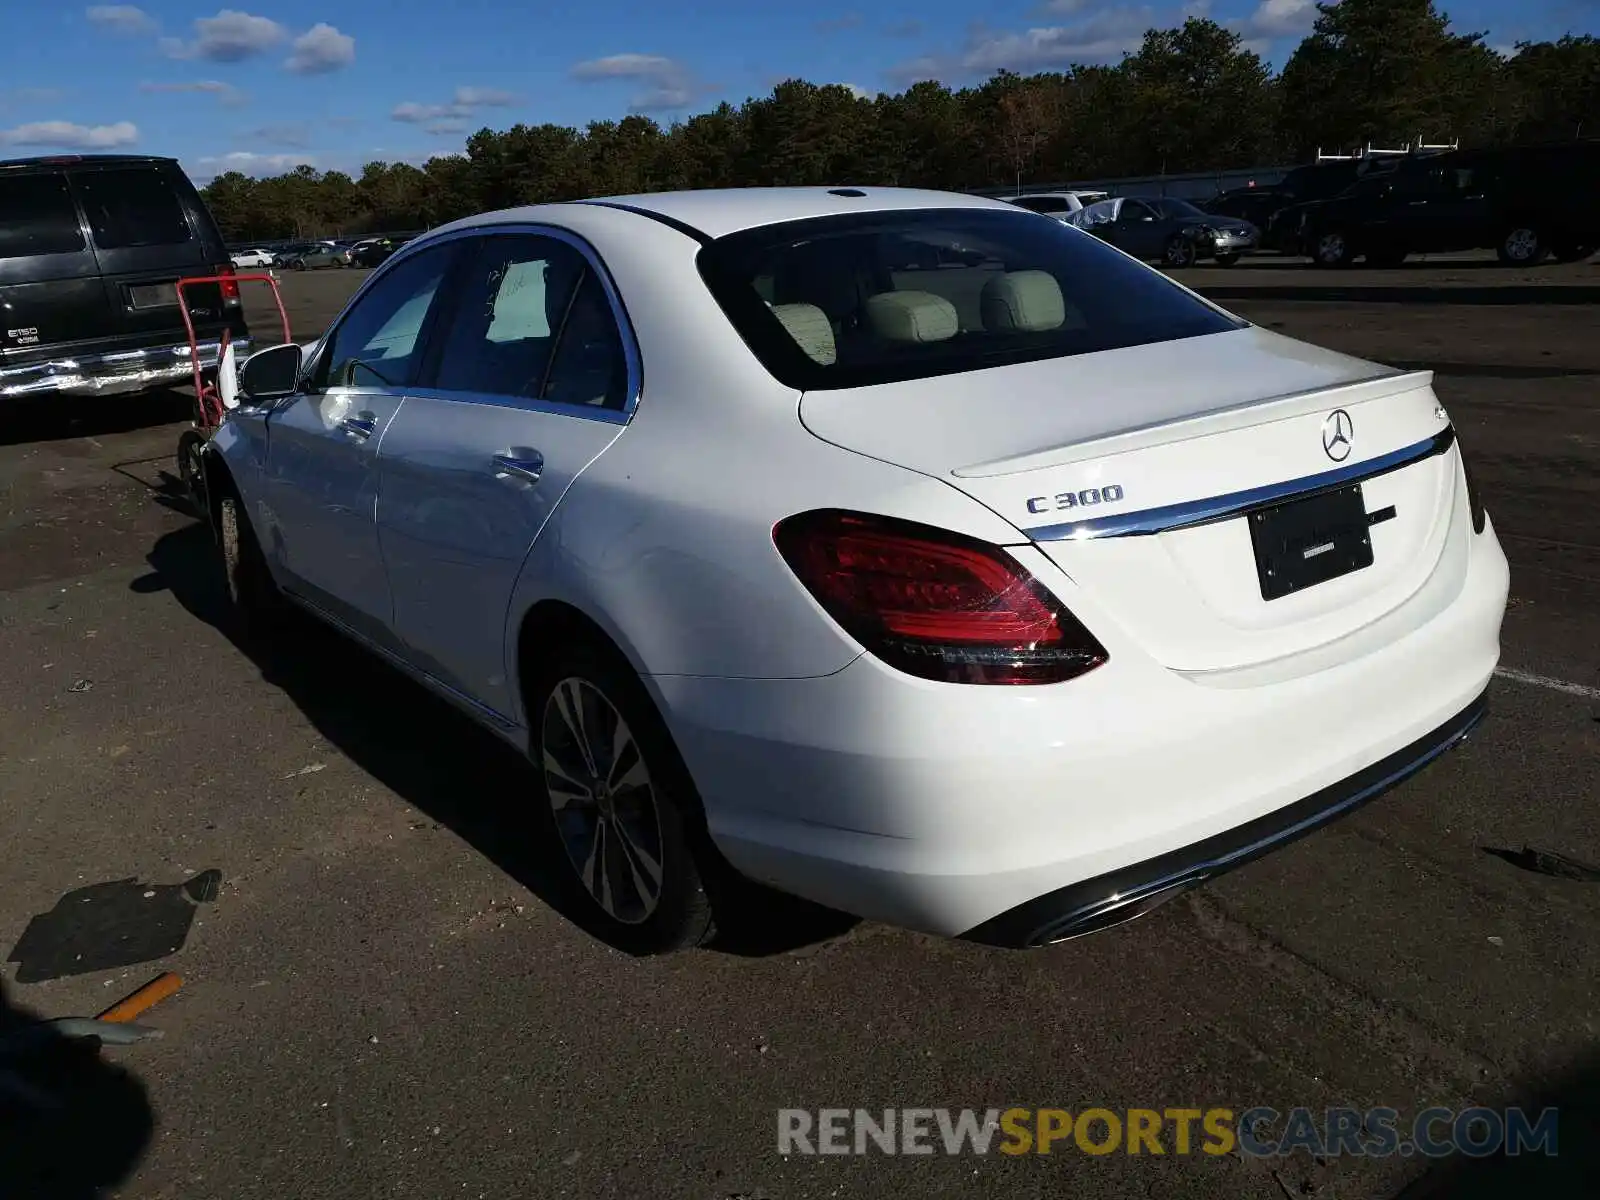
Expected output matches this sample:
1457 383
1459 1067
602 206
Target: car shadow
72 1123
54 418
437 760
1571 1173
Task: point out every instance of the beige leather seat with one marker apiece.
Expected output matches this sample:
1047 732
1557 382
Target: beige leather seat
1023 302
808 326
912 317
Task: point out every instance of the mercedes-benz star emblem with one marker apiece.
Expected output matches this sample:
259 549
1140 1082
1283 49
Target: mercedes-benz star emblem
1338 430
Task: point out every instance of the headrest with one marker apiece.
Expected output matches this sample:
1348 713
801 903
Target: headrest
808 326
912 317
1022 302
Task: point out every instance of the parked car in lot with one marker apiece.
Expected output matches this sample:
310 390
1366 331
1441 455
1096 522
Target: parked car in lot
91 247
1167 229
1524 202
372 251
892 548
1056 204
1312 181
306 255
252 259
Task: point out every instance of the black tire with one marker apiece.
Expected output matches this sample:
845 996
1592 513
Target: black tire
299 264
1179 253
1520 245
1331 248
192 471
1225 260
603 838
257 605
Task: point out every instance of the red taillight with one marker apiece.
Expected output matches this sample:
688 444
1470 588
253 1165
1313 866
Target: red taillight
230 287
935 604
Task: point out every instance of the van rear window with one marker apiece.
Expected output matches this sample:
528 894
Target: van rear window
858 300
132 207
37 216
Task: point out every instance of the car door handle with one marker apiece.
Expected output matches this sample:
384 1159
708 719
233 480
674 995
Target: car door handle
362 426
527 465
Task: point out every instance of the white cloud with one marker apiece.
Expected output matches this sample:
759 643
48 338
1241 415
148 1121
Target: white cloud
230 36
1064 8
287 133
445 128
321 49
413 113
1102 36
253 164
121 18
451 116
666 83
1278 19
225 93
474 97
70 136
860 93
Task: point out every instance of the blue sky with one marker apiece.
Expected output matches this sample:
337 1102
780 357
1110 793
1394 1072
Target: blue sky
340 82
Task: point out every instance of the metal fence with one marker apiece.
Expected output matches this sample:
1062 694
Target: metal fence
1199 185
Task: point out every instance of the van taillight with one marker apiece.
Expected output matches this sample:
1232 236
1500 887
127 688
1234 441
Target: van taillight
229 287
935 604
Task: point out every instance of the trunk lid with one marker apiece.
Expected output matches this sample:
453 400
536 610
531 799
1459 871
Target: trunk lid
1135 471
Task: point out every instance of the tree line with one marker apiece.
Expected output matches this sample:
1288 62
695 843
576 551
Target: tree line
1192 98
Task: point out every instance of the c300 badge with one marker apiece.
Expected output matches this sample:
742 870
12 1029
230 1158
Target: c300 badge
1087 498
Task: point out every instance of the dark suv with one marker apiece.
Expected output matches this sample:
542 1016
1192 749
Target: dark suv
90 248
1313 181
1522 201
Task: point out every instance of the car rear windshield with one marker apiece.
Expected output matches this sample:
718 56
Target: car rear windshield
37 216
133 206
838 302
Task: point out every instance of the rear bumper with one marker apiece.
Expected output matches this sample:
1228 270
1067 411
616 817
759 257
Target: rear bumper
1118 896
111 372
1017 814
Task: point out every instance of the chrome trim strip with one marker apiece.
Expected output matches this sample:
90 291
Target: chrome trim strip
113 371
1236 504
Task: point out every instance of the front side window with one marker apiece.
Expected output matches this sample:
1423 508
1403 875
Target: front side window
377 344
37 216
850 301
132 206
534 322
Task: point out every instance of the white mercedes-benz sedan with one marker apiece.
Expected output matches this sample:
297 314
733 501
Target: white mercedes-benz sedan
895 549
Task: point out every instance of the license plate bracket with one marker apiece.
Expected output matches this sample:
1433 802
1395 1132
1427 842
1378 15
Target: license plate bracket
152 295
1309 541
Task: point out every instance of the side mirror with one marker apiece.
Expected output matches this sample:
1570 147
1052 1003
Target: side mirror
270 374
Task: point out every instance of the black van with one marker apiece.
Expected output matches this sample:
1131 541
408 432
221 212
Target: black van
1523 202
90 248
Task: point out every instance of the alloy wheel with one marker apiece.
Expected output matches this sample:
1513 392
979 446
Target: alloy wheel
1330 248
603 800
1521 245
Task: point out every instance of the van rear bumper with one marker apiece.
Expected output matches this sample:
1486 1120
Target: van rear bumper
111 372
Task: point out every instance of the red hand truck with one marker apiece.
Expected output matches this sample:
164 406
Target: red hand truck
209 407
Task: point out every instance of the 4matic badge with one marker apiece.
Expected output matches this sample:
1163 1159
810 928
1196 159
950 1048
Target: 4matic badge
1087 498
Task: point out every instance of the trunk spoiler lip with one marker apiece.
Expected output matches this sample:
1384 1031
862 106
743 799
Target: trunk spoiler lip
1236 504
1384 383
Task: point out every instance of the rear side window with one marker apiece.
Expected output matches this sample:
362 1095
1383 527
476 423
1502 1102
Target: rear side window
133 206
37 216
874 298
1043 204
